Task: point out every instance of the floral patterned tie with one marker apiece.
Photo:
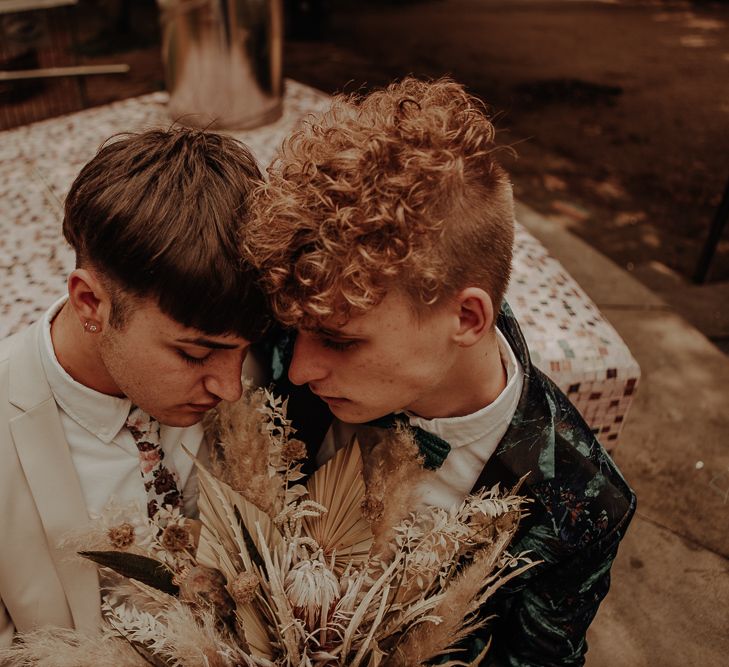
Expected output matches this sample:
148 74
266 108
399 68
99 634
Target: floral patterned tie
160 480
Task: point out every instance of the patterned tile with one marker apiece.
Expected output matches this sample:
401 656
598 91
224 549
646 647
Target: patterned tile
570 340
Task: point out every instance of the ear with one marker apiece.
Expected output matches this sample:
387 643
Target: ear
475 315
88 297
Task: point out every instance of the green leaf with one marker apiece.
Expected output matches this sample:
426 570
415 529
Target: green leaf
147 570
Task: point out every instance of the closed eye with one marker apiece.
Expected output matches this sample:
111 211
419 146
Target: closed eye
193 361
339 345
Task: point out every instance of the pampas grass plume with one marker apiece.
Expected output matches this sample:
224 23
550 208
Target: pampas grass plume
241 459
458 601
391 470
191 638
56 647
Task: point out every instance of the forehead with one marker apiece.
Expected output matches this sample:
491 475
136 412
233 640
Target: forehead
396 310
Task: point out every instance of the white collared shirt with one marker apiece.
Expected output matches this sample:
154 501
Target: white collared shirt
473 438
102 449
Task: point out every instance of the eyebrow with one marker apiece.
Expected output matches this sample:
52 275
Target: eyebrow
206 342
335 333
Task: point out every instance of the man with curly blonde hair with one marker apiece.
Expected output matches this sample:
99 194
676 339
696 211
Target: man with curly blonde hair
385 236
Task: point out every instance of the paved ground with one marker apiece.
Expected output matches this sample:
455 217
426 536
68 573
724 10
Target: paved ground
669 601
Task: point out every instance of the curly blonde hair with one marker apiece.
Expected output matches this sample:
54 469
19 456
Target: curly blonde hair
399 188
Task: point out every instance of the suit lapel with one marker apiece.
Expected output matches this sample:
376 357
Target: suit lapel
46 460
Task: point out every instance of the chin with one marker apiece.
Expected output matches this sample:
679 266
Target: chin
353 415
181 420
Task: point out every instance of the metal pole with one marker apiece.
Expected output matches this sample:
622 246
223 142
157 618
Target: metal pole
712 240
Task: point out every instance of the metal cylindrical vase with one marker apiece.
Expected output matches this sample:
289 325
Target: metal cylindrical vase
223 61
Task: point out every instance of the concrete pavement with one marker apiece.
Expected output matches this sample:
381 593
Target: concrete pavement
669 600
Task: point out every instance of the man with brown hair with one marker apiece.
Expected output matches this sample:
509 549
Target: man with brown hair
385 237
98 399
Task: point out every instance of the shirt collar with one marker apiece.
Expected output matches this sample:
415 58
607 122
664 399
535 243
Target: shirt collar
100 414
461 431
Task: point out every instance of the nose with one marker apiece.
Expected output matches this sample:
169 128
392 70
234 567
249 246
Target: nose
307 363
225 378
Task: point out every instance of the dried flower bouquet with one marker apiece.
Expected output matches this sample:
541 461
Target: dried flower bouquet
339 571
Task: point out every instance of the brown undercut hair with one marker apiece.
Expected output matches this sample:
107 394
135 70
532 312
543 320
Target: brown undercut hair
159 215
399 188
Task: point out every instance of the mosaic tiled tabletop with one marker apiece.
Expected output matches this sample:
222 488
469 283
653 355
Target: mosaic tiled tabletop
568 337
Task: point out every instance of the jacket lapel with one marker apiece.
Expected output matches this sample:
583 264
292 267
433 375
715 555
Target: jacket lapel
527 447
46 460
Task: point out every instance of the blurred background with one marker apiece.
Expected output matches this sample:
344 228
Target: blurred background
616 110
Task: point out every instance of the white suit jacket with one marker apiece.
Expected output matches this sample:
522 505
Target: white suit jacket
40 501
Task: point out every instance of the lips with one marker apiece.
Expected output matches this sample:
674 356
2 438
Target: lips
326 397
333 400
203 407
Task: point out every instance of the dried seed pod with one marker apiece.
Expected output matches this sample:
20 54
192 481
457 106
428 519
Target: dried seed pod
176 538
243 588
293 450
121 536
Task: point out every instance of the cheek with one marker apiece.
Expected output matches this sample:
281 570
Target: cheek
150 368
174 373
392 374
117 356
155 369
419 367
376 366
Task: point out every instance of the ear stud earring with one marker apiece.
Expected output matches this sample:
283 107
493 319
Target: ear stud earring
90 327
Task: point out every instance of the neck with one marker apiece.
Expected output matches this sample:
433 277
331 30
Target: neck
78 353
475 380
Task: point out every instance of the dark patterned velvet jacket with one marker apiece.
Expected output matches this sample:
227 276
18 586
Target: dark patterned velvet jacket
581 510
